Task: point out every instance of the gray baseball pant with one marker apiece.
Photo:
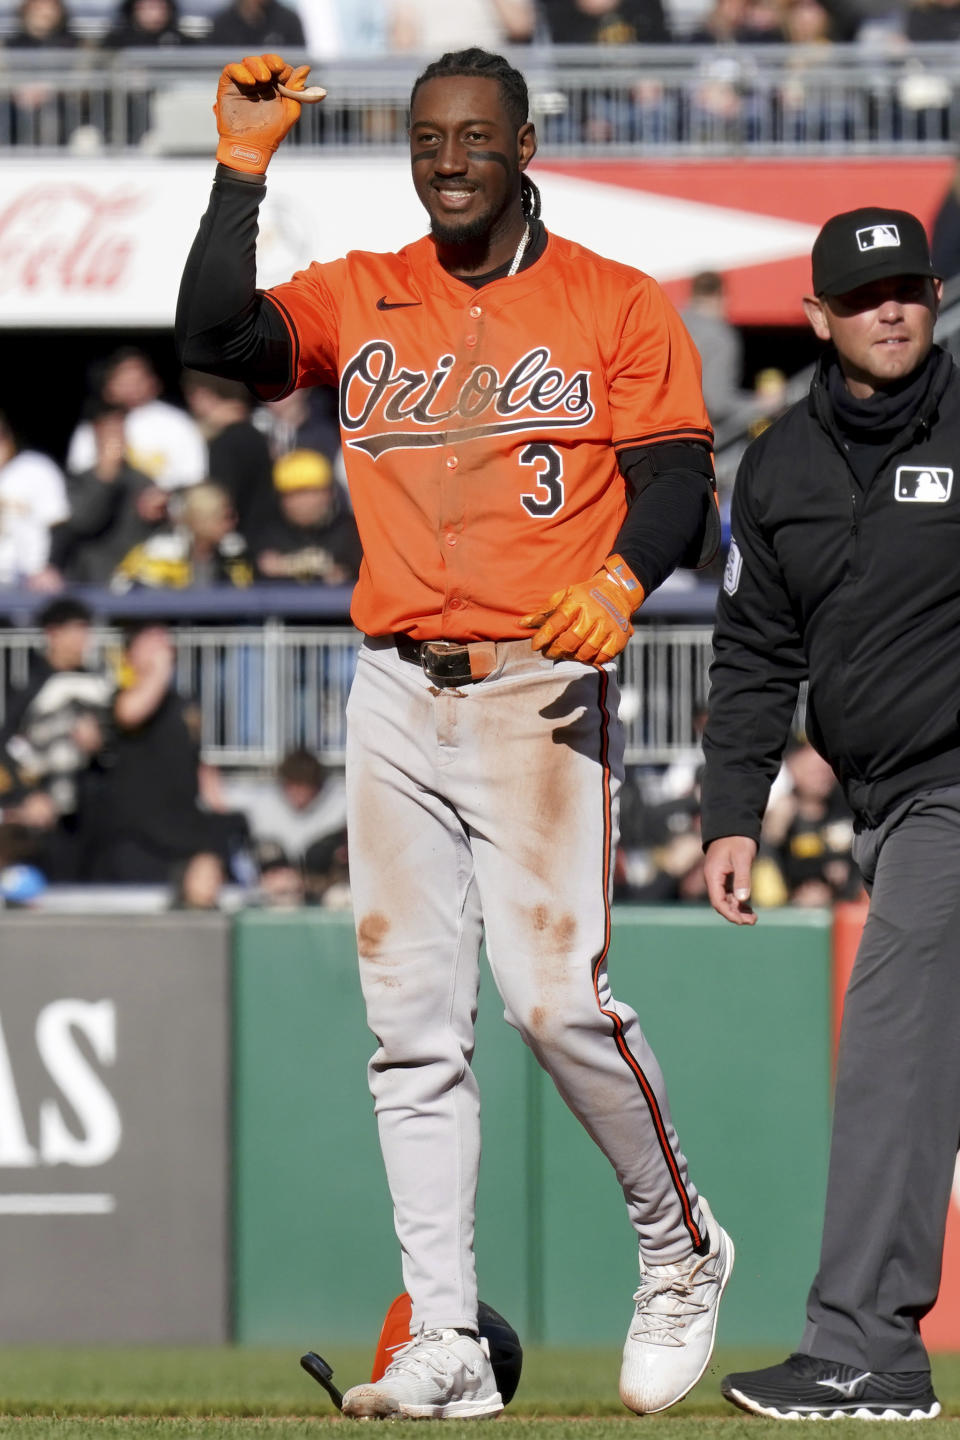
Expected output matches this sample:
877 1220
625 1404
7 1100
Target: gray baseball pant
491 811
896 1123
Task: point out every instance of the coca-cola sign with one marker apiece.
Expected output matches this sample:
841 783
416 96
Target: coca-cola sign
67 237
91 241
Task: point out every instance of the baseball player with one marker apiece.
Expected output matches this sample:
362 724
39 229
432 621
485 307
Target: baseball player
529 457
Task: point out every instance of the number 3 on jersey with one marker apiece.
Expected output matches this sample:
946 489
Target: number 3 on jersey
546 460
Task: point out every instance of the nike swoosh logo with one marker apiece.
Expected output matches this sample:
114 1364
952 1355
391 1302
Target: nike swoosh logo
384 304
847 1387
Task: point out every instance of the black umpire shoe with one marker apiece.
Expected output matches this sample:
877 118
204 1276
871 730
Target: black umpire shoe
805 1388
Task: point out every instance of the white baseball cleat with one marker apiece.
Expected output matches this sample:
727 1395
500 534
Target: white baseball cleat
440 1375
671 1335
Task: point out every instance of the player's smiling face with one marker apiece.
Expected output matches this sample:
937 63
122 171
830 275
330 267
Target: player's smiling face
882 331
467 159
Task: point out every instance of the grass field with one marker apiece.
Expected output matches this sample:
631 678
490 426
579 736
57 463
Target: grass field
238 1394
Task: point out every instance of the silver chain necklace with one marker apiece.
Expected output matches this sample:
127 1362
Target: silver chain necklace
524 241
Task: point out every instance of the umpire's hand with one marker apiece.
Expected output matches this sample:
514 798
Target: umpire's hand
727 873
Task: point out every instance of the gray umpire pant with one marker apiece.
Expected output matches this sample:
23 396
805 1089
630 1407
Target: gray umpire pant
896 1124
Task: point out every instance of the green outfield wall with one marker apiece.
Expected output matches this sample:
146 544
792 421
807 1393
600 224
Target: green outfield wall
740 1020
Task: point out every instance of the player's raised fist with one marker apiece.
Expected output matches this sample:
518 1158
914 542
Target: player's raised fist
258 100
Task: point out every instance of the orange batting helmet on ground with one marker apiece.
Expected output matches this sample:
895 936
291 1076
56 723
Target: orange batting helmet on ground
506 1352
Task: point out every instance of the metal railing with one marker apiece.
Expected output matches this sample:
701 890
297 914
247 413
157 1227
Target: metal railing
262 690
714 100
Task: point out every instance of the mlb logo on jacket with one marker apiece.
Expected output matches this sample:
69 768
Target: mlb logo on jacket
923 484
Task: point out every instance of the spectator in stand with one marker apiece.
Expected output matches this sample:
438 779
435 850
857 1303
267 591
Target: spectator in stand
606 22
237 451
436 25
203 548
307 419
280 883
805 843
351 28
113 507
147 823
945 240
66 625
301 804
145 24
719 343
933 20
660 858
20 880
33 498
327 873
770 398
161 439
253 25
41 25
53 729
805 111
722 24
807 22
37 113
763 23
314 540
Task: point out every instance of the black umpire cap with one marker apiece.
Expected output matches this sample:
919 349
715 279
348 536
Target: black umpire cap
871 243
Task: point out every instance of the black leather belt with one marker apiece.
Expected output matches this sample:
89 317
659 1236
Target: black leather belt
448 663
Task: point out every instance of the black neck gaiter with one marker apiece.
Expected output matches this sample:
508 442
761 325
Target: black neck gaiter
870 426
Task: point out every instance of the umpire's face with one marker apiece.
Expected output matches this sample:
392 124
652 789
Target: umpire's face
882 331
467 159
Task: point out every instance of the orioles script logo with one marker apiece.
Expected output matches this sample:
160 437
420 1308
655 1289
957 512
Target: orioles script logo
374 389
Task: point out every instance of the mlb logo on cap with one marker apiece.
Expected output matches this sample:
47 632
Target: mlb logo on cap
923 484
868 244
876 236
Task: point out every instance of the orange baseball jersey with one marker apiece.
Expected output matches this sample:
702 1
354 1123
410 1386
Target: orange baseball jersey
481 426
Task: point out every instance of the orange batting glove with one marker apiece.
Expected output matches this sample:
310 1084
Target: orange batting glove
252 116
589 622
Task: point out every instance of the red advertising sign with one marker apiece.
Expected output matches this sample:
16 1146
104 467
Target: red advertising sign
735 199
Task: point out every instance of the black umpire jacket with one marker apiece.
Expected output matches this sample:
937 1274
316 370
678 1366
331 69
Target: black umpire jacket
858 589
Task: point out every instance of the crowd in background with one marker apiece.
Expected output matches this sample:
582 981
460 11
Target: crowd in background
330 29
804 857
727 98
102 781
218 491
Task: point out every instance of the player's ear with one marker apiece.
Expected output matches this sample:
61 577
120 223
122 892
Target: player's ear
526 144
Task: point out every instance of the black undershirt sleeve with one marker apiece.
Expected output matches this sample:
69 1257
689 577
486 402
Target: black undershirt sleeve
673 518
224 325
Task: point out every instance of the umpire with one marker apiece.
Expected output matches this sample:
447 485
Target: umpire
844 568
